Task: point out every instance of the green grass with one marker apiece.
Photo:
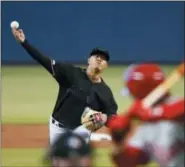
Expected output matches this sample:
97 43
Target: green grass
29 93
22 157
33 157
102 158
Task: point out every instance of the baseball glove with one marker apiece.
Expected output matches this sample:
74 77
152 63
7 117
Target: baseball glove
92 119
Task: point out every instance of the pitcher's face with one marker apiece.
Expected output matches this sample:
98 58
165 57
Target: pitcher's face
98 62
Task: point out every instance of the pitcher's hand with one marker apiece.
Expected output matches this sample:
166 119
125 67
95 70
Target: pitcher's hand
19 35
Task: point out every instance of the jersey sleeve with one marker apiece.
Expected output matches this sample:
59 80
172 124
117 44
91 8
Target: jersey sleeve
174 110
110 106
62 72
168 111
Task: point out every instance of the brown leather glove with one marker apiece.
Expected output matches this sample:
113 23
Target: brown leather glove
92 119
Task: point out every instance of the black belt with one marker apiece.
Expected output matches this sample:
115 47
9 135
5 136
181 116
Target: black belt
60 125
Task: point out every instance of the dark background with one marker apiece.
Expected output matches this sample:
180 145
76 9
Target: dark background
131 31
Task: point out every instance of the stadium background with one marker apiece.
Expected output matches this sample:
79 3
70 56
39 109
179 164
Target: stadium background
132 32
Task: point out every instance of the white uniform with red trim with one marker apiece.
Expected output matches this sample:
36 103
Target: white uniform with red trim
163 141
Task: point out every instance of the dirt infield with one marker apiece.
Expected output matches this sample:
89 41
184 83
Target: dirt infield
33 136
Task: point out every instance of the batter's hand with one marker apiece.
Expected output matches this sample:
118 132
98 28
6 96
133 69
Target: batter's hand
119 127
19 35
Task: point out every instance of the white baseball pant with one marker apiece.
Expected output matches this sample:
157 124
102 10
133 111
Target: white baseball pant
55 131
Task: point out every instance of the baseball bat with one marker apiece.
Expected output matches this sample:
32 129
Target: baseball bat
160 90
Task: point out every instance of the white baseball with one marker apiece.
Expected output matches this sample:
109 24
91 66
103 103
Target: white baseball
14 24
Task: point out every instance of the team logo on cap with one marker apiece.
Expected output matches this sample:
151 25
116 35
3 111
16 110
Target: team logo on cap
129 70
158 75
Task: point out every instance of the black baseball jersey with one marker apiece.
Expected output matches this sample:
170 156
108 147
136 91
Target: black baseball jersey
76 90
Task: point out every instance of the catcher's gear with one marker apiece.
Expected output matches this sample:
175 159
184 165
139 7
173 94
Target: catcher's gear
92 119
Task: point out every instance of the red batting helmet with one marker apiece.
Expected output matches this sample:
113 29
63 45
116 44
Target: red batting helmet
143 78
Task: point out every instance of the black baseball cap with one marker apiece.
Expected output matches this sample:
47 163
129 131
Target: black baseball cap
102 52
68 145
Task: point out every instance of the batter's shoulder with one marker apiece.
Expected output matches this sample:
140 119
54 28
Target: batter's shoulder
174 99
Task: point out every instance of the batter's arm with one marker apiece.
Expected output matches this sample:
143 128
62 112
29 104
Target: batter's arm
169 111
127 147
173 110
129 156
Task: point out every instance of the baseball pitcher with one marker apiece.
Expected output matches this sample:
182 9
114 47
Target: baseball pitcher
84 101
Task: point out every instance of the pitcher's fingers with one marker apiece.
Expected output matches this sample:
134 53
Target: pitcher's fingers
14 30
